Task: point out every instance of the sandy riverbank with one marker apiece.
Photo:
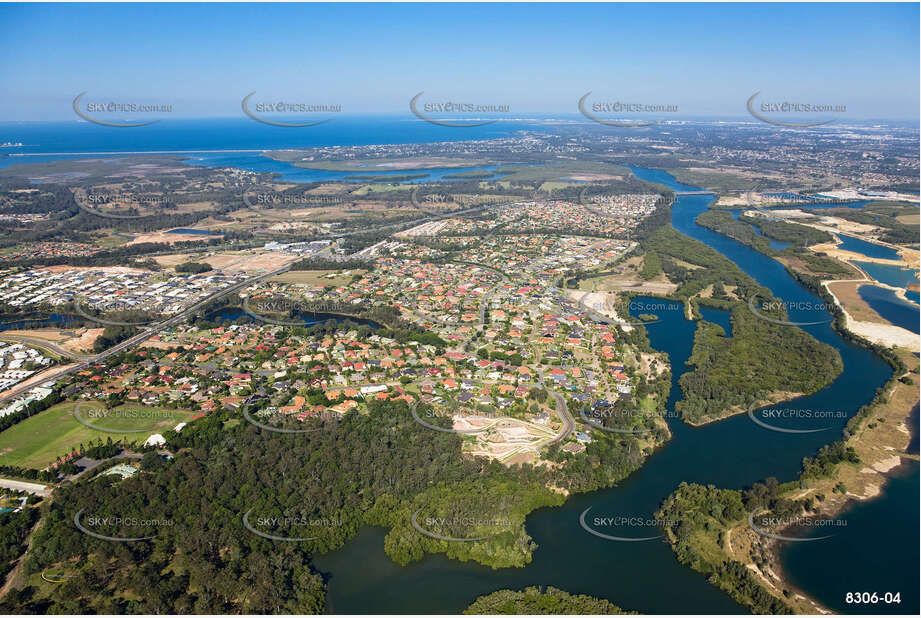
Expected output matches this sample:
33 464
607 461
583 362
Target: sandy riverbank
882 334
600 302
881 442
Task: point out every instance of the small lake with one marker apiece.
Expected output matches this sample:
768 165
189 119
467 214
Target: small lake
188 230
717 317
884 302
232 314
55 320
869 249
896 276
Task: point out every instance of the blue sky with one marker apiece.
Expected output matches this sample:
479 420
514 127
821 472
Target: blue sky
705 58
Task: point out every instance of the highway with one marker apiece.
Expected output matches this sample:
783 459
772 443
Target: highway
146 334
85 361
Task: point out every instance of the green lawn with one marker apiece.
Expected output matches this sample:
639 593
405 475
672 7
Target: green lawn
379 188
40 440
553 185
109 239
648 404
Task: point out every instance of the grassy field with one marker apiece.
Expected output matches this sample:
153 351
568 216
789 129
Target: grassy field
553 185
42 439
557 170
109 240
379 188
316 277
370 165
648 404
715 180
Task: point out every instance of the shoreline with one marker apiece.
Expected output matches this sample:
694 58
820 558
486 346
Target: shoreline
888 334
761 555
774 398
871 475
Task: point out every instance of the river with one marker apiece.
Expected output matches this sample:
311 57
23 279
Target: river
734 453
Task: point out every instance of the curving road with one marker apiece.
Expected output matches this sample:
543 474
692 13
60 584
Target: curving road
38 342
569 423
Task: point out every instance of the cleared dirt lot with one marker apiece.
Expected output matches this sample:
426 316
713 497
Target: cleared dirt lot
77 341
163 237
230 262
645 287
108 269
628 280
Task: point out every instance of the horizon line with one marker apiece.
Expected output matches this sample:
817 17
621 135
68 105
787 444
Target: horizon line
741 118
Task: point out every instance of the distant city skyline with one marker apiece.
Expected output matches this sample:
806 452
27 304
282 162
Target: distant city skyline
703 59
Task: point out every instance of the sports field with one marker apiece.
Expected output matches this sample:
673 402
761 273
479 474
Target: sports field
39 441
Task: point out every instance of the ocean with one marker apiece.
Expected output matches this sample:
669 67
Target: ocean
240 142
223 134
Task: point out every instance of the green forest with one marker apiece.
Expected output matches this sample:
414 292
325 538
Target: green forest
670 245
375 469
759 359
544 601
701 514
